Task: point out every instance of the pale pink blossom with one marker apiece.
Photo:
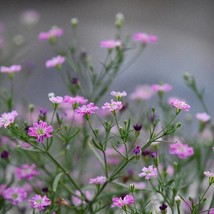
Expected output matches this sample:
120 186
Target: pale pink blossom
70 115
7 118
150 172
11 69
40 130
209 174
112 156
75 100
30 17
55 62
118 94
77 201
26 172
113 106
56 99
139 185
119 202
145 38
15 195
110 44
183 151
203 117
39 202
179 104
86 109
53 33
98 180
161 88
142 92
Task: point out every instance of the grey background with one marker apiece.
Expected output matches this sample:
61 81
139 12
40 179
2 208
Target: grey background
185 30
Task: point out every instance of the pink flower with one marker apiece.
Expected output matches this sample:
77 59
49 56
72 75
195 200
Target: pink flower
30 17
183 151
145 38
15 195
149 172
55 62
161 88
40 130
11 69
75 100
56 100
209 174
179 104
7 118
51 34
39 202
203 117
139 185
142 92
98 180
119 202
113 106
110 44
112 156
86 109
77 201
26 172
211 211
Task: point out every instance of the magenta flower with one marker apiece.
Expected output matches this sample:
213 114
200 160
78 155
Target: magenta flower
39 202
86 109
161 88
183 151
7 118
211 211
26 172
110 44
53 33
145 38
11 69
149 172
203 117
113 106
55 62
75 100
40 130
119 202
15 195
98 180
142 92
56 100
179 104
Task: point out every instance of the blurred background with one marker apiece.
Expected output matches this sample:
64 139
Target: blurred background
185 30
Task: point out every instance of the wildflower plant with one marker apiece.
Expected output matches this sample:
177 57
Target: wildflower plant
84 155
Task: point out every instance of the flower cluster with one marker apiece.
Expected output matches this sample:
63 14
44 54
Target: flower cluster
39 202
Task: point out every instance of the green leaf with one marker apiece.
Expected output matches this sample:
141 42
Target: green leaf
56 181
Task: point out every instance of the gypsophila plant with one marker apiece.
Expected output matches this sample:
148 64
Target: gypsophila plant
84 155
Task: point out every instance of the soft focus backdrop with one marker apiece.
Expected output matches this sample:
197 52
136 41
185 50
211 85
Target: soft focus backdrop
185 30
